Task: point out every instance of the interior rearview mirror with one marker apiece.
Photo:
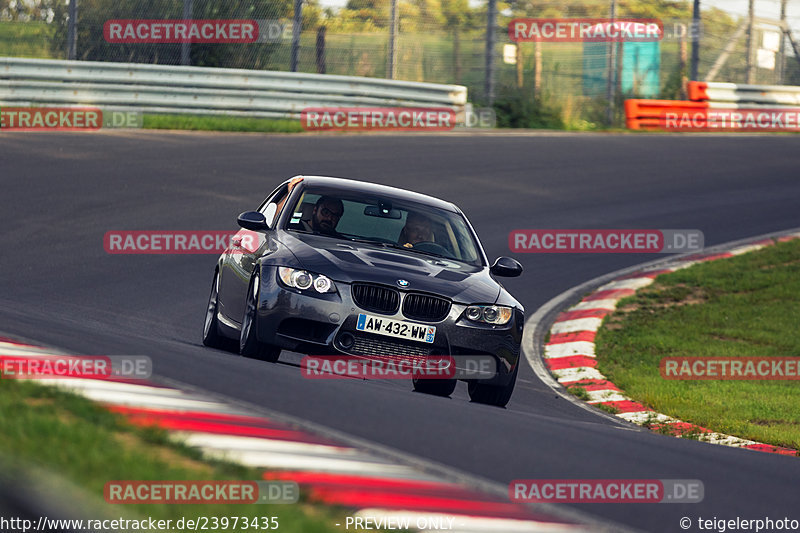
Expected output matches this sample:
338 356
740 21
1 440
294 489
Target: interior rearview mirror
382 211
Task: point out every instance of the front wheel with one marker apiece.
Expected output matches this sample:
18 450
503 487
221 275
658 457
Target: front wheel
248 340
211 336
493 394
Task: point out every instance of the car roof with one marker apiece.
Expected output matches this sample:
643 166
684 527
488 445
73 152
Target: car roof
376 189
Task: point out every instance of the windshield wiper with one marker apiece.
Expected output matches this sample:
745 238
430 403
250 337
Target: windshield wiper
393 245
401 247
367 241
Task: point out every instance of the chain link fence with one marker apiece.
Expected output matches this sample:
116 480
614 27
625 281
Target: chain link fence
440 41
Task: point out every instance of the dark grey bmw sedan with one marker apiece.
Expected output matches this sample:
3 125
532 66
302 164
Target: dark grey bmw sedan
330 266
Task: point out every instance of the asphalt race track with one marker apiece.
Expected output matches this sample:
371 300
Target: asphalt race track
62 192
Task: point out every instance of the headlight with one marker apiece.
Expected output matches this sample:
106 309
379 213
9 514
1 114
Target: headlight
474 313
490 314
300 279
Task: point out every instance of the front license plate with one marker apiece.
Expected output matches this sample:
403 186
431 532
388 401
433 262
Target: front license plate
395 328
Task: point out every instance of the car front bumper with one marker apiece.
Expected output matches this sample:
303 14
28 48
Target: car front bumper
324 324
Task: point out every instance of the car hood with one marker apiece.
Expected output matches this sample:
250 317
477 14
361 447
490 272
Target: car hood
346 262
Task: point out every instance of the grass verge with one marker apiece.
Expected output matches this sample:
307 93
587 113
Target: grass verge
89 446
743 306
220 123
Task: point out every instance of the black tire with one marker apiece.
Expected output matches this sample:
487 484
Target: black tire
211 335
249 346
436 387
495 395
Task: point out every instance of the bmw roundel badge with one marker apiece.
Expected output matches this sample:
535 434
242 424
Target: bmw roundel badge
402 283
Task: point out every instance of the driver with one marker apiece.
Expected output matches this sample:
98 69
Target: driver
417 229
325 216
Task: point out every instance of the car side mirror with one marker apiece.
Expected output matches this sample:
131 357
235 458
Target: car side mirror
253 220
506 267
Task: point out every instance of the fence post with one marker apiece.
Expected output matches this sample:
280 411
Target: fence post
321 49
186 47
491 22
72 30
682 59
610 85
393 27
297 22
695 40
782 46
751 41
537 68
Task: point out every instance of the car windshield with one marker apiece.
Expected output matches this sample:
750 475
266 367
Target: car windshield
385 222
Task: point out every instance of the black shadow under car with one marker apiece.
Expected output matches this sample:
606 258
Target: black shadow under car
329 266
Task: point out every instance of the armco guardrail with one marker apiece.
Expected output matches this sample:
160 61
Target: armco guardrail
720 106
782 95
200 90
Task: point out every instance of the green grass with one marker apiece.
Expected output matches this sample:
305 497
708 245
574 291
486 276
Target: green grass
220 123
579 392
743 306
26 39
89 446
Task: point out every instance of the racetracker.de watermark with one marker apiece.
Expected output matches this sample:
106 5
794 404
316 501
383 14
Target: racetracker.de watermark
76 367
66 119
378 118
200 492
399 366
606 490
730 368
787 119
587 30
605 241
180 31
180 242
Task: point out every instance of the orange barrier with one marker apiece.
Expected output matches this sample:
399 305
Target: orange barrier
677 115
715 106
698 91
653 114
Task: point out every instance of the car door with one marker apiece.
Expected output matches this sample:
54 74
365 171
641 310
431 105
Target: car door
240 259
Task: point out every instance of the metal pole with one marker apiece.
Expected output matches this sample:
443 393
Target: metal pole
537 68
695 40
682 58
611 70
491 23
393 27
186 47
750 41
321 49
72 30
298 21
782 48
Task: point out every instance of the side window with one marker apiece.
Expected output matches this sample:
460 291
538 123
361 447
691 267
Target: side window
272 206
